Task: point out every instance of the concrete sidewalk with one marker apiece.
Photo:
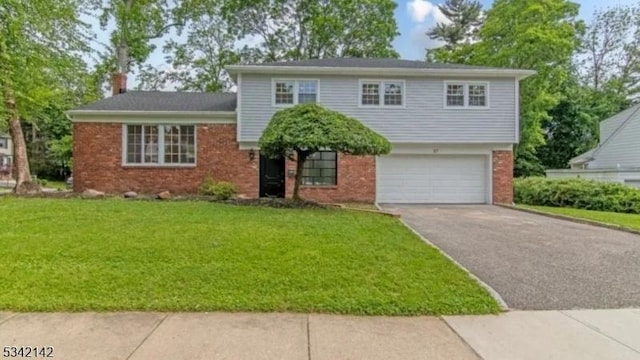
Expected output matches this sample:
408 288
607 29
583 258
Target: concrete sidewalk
607 334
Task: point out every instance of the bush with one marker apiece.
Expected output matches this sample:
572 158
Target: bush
221 190
577 193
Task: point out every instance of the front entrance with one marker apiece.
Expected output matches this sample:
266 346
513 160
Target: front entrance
272 177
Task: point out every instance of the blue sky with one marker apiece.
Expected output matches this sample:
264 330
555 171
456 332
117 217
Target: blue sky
415 17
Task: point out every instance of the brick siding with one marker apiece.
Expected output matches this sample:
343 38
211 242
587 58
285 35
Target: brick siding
502 177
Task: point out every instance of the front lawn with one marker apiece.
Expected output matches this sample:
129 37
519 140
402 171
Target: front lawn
627 220
73 255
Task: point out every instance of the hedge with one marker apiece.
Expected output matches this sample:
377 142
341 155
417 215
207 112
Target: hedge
577 193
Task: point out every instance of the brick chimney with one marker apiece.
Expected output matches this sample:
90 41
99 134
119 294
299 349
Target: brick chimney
119 83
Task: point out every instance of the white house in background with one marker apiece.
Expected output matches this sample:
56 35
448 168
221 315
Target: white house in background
617 156
6 156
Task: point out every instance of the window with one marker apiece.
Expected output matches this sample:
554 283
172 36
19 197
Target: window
463 95
477 95
455 95
291 92
320 169
160 144
4 143
307 91
381 93
370 94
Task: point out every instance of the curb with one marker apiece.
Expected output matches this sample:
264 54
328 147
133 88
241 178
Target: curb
573 219
494 294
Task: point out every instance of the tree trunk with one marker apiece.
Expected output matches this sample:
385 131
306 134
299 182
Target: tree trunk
21 162
301 157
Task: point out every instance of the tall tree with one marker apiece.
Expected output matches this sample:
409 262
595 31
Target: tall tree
541 35
40 44
611 49
465 19
136 23
310 29
197 63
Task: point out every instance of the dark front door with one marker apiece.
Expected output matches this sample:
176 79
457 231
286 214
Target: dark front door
271 177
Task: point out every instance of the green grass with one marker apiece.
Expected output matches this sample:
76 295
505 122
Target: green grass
74 255
627 220
55 184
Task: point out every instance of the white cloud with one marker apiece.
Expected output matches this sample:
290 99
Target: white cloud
419 10
420 39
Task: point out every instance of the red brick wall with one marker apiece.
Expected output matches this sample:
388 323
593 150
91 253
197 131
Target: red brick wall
97 159
356 181
502 177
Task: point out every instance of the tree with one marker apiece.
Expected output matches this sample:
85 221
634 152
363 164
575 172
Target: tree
40 46
541 35
197 64
304 129
302 29
465 19
137 23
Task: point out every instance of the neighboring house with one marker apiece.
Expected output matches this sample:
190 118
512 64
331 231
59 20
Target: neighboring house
6 156
617 156
452 128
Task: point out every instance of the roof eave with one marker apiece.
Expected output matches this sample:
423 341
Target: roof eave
149 113
266 69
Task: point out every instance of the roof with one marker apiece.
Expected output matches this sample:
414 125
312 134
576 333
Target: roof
371 63
163 101
375 66
619 120
583 158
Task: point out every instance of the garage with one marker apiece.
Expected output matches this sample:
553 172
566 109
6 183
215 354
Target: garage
433 179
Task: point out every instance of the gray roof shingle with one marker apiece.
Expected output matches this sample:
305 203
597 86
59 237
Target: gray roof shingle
372 63
164 101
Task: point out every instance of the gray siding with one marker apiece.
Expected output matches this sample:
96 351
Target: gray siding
623 149
608 126
423 119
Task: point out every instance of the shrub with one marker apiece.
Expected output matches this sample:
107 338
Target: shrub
221 190
577 193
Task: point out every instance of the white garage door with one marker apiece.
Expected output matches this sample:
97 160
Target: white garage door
435 179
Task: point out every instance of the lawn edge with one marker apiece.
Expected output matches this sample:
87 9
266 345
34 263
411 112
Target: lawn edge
492 292
572 218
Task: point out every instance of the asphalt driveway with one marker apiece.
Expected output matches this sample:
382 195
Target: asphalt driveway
535 262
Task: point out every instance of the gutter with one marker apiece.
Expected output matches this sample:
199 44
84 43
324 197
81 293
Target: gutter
267 69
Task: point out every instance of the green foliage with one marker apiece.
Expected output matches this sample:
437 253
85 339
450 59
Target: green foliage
577 193
300 29
631 221
465 18
201 256
221 190
311 128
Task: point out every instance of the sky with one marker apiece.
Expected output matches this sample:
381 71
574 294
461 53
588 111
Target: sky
414 18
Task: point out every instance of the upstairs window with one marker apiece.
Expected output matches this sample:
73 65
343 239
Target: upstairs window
4 143
382 93
463 95
291 92
455 95
159 145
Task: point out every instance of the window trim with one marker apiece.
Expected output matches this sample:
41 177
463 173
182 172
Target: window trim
336 171
160 163
466 84
381 83
295 90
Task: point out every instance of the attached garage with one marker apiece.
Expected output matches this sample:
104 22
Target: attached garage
434 179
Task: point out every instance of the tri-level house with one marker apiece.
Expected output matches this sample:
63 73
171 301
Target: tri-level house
452 128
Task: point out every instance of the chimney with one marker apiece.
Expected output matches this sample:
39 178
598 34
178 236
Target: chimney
119 83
